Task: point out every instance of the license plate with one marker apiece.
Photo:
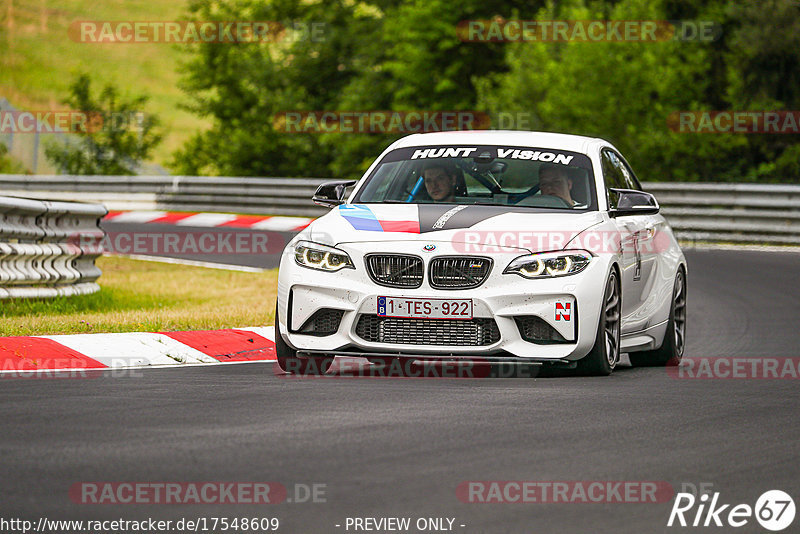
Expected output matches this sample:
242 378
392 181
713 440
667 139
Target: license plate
412 308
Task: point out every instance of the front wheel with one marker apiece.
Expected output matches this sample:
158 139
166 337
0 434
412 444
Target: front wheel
671 350
604 356
291 363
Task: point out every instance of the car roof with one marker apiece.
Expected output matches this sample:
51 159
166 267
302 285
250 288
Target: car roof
559 141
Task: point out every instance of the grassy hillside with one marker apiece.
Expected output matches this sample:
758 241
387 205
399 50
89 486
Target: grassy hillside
38 59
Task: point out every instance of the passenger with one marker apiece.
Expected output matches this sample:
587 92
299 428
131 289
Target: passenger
555 181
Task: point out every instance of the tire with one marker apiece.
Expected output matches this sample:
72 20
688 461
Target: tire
604 355
291 363
671 350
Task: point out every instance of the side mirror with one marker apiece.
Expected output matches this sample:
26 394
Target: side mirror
331 194
632 202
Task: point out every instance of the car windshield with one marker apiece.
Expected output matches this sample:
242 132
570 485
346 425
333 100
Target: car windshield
494 175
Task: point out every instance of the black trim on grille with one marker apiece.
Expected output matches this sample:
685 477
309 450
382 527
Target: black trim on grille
405 270
454 272
534 329
476 332
324 322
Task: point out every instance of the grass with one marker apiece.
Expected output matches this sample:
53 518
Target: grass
142 296
8 165
38 59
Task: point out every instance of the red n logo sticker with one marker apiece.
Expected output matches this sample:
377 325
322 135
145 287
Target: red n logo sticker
563 311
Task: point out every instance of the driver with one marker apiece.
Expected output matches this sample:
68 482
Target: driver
554 181
440 181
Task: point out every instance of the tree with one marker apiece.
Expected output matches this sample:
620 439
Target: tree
115 138
375 56
626 92
241 87
764 74
381 55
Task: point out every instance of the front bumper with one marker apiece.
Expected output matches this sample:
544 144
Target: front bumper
502 298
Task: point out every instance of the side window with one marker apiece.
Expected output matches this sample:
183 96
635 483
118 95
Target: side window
630 178
613 175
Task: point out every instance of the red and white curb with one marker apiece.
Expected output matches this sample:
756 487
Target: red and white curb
136 349
210 220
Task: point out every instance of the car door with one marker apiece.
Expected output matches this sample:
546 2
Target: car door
631 229
647 239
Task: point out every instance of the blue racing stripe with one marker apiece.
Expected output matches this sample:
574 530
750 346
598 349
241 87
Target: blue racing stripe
360 217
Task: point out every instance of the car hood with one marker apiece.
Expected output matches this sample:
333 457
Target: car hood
494 226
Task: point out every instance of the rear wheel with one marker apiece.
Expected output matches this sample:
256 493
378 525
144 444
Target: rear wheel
604 356
291 363
671 350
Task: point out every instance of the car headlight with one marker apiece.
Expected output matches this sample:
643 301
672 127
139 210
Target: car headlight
321 257
550 264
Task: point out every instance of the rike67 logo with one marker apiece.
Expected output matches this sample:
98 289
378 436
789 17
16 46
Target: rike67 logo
774 510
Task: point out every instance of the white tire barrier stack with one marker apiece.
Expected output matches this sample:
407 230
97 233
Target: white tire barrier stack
48 249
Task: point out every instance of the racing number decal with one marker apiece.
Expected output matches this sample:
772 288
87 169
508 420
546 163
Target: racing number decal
563 311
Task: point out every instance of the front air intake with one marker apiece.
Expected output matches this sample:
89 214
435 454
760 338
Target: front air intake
534 329
476 332
395 270
458 272
324 322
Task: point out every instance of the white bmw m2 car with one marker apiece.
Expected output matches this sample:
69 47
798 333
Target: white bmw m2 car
507 247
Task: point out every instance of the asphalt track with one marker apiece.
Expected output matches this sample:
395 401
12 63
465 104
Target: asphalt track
400 447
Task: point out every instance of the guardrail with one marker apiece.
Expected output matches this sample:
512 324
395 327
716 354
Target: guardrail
697 211
738 213
260 196
48 249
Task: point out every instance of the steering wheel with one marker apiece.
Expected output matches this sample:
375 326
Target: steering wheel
515 198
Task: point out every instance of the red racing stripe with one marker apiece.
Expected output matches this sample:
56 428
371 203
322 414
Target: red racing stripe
32 353
410 227
172 218
227 345
245 221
